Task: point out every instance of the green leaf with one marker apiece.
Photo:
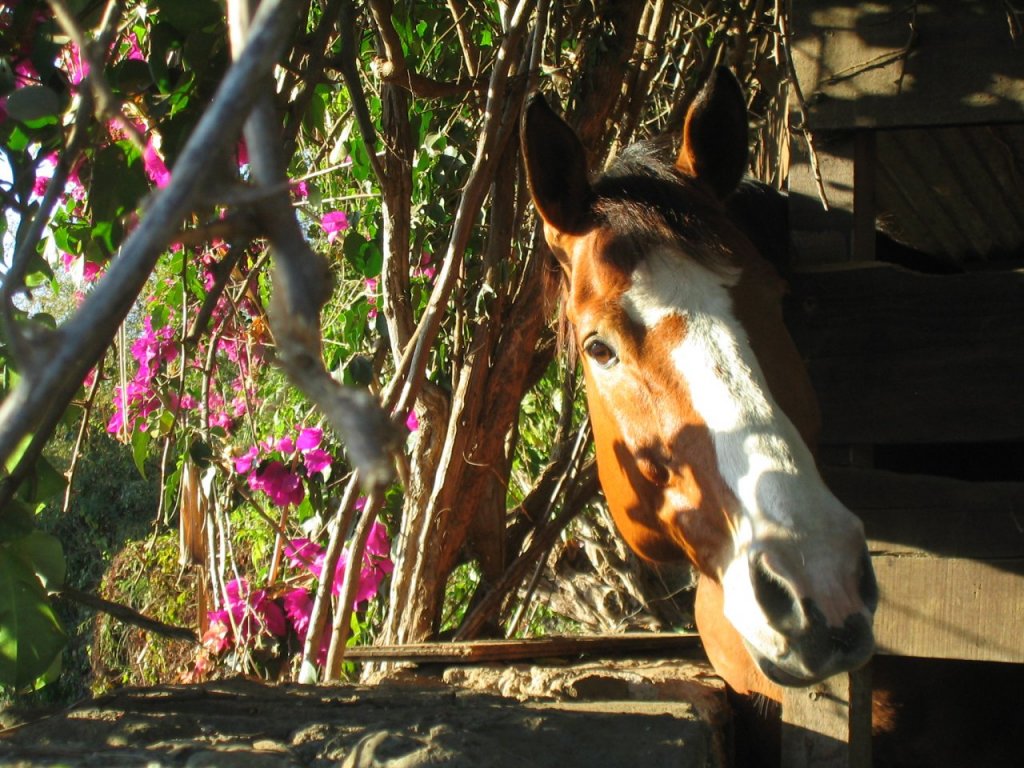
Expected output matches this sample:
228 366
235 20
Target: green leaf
116 185
158 316
44 554
140 449
131 76
16 521
33 103
359 371
31 636
189 16
43 483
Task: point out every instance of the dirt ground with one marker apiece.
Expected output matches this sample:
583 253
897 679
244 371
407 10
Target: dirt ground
603 713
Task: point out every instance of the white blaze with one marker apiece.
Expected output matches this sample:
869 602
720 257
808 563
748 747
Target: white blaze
761 456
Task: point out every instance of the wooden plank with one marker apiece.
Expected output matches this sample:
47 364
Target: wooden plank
951 609
478 651
820 235
901 357
919 514
828 725
900 64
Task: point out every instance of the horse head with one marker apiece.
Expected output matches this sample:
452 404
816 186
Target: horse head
703 415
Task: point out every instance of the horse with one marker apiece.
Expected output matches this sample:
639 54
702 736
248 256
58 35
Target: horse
703 415
704 420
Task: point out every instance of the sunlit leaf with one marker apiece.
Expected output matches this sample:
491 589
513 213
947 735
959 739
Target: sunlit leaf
31 635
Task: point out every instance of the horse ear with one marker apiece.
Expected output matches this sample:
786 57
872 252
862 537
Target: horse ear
556 168
714 147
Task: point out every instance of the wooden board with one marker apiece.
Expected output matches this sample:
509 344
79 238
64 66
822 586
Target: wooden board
951 609
828 725
899 64
923 515
667 644
901 357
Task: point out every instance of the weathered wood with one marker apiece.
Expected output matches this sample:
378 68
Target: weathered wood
948 608
902 357
828 725
478 651
919 514
820 235
892 64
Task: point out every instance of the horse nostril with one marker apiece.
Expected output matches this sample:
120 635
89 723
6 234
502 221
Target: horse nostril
776 599
868 585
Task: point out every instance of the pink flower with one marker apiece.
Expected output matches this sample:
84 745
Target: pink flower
244 462
77 67
316 460
300 190
377 563
371 296
425 269
134 51
298 607
334 223
282 486
286 445
411 422
251 613
154 165
309 438
303 553
44 172
80 268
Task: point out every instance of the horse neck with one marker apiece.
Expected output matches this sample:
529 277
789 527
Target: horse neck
724 646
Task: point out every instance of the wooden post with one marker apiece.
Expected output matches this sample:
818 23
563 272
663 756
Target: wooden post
828 725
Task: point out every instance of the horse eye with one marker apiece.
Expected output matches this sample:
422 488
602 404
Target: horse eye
601 353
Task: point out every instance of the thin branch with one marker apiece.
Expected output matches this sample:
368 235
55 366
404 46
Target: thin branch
350 74
83 428
349 586
126 614
499 120
781 19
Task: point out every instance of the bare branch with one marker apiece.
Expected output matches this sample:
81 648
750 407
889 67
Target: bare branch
127 615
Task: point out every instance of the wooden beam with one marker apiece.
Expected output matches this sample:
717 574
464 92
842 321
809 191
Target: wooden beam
665 644
944 608
896 64
917 515
828 725
901 357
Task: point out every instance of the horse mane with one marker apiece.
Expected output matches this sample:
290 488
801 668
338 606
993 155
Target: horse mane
645 199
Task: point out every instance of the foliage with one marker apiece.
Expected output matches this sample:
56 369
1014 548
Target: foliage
436 309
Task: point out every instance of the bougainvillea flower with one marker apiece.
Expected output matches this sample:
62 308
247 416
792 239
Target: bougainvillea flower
248 612
245 462
298 607
303 553
377 563
154 166
334 223
280 484
309 438
316 460
411 422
